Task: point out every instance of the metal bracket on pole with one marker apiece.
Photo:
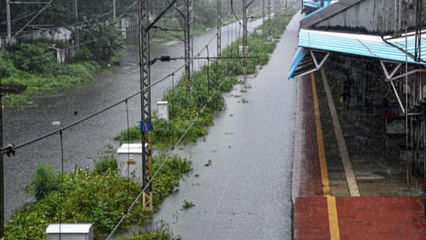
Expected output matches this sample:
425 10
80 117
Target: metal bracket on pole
318 64
397 96
314 58
145 82
385 70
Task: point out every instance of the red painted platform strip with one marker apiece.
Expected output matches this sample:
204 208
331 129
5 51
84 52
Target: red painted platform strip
308 169
361 218
311 218
381 218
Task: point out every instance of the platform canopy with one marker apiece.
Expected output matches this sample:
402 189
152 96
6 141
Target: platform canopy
316 4
314 42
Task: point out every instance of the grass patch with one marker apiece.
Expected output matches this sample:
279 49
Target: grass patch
57 77
187 204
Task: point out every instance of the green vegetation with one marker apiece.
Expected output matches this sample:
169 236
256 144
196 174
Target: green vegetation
185 106
100 197
187 204
159 235
108 40
32 66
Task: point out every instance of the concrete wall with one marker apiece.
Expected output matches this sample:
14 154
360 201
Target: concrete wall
58 34
372 16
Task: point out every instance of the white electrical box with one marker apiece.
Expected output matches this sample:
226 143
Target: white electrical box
68 231
129 161
163 110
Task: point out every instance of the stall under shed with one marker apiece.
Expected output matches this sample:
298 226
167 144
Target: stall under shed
379 17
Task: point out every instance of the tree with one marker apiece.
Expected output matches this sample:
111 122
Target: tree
100 40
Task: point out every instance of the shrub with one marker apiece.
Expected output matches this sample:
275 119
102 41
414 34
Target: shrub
108 39
88 196
106 164
44 181
33 58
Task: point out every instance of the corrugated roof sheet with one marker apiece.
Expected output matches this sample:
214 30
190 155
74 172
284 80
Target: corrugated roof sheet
297 59
353 44
358 44
400 42
317 4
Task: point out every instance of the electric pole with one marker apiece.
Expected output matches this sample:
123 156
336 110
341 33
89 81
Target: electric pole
245 41
418 31
277 6
269 9
145 82
191 26
263 12
77 34
5 89
219 28
9 24
114 16
187 43
1 169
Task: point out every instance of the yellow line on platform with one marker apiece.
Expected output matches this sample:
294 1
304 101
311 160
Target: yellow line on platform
320 141
331 201
332 218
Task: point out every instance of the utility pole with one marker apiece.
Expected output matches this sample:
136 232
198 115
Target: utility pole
418 31
187 43
277 7
114 16
245 40
1 169
145 82
77 34
269 9
191 26
9 24
263 12
219 28
4 89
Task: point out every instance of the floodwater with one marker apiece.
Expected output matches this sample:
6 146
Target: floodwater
245 193
84 142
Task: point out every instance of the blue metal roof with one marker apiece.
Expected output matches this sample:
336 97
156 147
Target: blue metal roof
297 59
353 44
311 4
400 42
357 44
317 3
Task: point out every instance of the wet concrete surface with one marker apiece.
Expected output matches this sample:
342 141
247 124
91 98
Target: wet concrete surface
246 191
84 142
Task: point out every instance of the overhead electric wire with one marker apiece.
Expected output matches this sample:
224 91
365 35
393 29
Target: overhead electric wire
168 154
62 183
19 18
8 148
125 10
34 17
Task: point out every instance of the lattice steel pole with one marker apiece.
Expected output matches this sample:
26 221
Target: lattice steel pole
145 82
187 43
219 28
269 9
245 40
191 28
